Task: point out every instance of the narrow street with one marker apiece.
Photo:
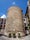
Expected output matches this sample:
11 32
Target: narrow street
23 38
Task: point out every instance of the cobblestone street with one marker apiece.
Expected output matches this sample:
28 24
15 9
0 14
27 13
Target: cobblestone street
23 38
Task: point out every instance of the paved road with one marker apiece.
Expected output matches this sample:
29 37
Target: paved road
6 38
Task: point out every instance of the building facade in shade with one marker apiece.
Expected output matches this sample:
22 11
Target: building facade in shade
28 13
25 20
2 25
14 21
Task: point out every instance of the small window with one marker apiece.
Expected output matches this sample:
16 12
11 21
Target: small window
24 19
19 35
2 21
14 36
0 26
26 28
10 35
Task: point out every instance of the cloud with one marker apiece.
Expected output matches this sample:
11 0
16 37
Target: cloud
3 16
13 3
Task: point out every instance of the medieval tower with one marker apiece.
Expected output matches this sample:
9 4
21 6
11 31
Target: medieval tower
14 21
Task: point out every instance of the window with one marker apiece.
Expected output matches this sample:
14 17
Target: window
2 21
26 28
10 35
19 35
24 19
14 36
0 26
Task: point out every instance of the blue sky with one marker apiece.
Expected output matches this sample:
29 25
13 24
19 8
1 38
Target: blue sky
5 4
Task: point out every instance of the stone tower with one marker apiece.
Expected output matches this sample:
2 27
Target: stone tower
14 22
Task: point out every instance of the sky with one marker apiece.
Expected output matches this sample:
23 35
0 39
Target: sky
5 4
